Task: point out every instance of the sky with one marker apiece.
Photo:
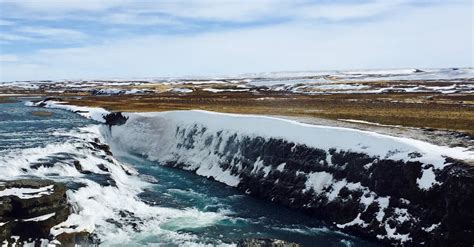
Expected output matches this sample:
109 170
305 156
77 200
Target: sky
99 39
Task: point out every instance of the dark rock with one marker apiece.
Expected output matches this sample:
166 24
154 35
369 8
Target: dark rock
38 165
78 166
265 242
103 168
102 179
115 118
100 146
77 239
21 213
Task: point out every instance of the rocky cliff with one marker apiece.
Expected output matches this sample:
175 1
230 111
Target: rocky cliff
397 191
29 208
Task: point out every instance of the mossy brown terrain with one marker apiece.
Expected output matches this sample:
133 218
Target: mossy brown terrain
385 102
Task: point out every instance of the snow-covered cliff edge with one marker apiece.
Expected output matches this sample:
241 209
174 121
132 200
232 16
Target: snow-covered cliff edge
397 190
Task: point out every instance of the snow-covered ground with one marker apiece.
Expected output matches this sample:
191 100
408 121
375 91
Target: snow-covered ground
454 80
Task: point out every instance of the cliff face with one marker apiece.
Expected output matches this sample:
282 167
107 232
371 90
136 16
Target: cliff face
382 188
29 208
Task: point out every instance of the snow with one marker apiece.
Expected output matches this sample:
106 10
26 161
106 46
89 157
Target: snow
383 204
402 215
10 94
432 227
41 218
117 91
213 170
427 180
391 234
323 137
281 166
369 123
215 90
26 193
356 221
318 181
94 113
181 90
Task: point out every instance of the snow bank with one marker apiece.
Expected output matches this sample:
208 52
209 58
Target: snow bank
94 113
322 137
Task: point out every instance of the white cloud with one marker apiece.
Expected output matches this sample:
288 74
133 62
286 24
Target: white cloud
52 33
8 58
135 19
56 6
227 10
429 37
8 37
338 11
34 34
232 10
6 23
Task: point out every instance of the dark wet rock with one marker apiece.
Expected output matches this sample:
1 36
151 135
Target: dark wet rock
32 214
104 147
102 179
115 118
78 166
151 197
103 168
265 242
38 165
418 71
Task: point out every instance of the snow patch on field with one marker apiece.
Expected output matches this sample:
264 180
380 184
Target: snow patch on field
215 90
181 90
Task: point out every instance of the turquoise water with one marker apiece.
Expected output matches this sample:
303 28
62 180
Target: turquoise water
247 217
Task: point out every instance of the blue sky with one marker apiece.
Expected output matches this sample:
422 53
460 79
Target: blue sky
73 39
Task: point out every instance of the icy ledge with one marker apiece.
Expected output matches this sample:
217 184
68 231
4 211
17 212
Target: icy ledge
397 190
